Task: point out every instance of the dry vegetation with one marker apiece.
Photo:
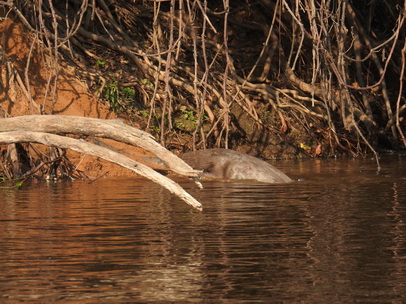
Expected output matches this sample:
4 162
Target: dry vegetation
313 77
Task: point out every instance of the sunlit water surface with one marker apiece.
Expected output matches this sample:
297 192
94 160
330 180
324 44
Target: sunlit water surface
339 236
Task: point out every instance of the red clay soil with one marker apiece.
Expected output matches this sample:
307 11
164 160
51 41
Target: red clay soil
18 48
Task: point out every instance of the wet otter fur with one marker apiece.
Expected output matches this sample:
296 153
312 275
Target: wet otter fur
229 164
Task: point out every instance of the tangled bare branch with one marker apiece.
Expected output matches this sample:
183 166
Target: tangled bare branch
332 71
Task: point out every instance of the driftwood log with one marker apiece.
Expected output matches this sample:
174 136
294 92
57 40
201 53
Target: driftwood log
43 129
113 129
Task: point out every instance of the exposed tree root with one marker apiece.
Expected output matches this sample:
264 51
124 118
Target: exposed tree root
320 61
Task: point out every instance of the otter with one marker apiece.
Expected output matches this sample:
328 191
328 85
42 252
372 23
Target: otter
230 164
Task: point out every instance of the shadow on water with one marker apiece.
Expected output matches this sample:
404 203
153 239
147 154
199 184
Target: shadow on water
337 237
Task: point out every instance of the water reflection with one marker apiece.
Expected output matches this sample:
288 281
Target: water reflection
337 237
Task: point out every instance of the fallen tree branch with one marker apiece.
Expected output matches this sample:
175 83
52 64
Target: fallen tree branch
94 150
113 129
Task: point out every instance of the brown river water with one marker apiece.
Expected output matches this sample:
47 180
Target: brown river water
339 236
